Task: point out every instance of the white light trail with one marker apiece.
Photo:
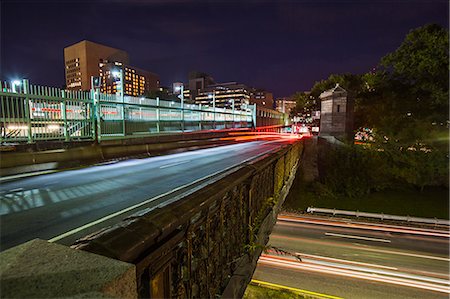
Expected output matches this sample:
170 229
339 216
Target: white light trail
389 277
366 226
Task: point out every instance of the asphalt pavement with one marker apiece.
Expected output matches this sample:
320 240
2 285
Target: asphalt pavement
67 205
357 260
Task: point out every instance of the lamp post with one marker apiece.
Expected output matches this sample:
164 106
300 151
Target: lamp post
213 96
119 74
181 89
15 83
232 109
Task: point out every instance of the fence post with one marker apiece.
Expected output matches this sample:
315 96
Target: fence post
157 115
254 115
200 117
182 110
96 115
64 115
122 97
26 91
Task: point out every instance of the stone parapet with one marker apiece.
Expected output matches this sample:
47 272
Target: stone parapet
39 269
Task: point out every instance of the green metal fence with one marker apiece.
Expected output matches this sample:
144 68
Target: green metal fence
31 113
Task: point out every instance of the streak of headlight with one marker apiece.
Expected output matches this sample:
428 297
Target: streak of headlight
353 274
366 226
325 258
306 240
365 269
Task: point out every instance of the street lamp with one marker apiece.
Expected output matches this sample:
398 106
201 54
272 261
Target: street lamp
232 109
119 74
213 97
180 88
15 83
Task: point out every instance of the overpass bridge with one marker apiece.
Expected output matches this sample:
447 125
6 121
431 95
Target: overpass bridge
190 224
186 225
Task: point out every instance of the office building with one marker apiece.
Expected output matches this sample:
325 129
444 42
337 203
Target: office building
225 94
136 81
262 98
285 105
82 60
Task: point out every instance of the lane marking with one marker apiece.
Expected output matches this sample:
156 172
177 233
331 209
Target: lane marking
357 237
174 164
90 224
278 286
363 248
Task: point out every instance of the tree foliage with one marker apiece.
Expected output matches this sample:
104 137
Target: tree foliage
407 98
421 63
304 103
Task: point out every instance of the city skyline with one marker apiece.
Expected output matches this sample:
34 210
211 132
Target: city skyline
283 47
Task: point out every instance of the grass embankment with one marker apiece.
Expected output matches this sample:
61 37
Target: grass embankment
261 290
430 203
257 292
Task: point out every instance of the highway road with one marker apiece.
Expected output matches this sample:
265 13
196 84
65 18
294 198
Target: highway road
357 260
63 206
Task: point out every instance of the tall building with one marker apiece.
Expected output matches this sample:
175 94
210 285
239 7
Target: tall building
82 61
261 97
136 81
197 82
225 94
285 105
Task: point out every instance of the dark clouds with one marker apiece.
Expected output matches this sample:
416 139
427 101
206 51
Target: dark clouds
283 46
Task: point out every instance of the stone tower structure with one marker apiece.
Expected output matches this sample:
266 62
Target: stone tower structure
336 115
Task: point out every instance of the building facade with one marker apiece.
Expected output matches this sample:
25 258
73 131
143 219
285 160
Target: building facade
261 98
82 60
225 95
285 105
136 81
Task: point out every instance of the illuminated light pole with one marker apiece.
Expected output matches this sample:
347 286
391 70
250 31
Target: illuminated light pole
232 109
15 83
213 97
119 74
181 90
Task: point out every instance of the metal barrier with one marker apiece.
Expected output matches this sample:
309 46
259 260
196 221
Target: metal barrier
379 216
30 113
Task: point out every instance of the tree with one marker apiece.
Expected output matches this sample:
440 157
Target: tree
304 103
406 99
353 84
421 63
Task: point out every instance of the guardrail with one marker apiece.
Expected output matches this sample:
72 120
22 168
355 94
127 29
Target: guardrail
31 113
379 216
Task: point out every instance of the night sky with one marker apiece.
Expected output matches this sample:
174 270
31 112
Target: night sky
282 46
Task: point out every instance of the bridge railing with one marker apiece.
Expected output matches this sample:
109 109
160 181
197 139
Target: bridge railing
31 113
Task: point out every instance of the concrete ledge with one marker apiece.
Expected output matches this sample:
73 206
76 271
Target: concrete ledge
38 269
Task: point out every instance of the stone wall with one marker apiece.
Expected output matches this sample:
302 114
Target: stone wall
206 244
